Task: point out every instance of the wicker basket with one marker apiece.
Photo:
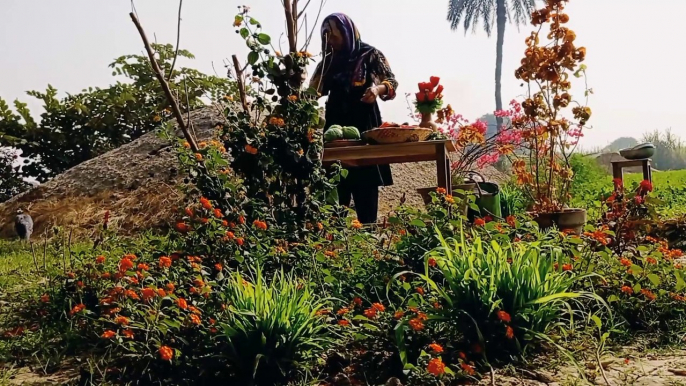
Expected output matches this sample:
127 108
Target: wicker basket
396 135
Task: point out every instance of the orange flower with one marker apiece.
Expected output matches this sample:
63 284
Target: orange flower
181 302
462 356
125 265
182 227
170 287
194 310
504 316
187 145
240 241
436 367
165 262
198 156
625 262
479 222
357 301
420 291
356 224
379 307
128 333
189 212
292 98
468 369
398 314
195 319
646 186
511 221
121 320
198 282
241 220
106 275
100 259
370 313
343 311
166 353
143 267
567 267
205 203
218 213
648 294
161 292
449 199
225 223
132 295
627 290
148 293
651 260
441 191
109 334
77 308
45 298
416 324
435 347
218 266
509 332
432 262
260 225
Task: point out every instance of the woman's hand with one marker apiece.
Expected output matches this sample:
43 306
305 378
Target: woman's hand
371 94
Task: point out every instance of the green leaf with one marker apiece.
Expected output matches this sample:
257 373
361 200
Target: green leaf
264 39
253 21
612 298
244 33
418 223
597 321
253 57
680 283
329 279
654 279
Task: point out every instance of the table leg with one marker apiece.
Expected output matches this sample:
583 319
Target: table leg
617 171
646 171
441 167
449 177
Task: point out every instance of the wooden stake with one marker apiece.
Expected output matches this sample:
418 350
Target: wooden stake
164 84
241 85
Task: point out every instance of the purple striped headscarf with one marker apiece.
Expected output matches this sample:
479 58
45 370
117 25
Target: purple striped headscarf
354 51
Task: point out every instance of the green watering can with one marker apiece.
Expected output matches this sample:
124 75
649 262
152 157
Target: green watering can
488 197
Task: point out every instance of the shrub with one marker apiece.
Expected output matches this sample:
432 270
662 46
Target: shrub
270 328
503 294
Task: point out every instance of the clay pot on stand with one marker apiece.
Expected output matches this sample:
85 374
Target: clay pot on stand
571 220
427 122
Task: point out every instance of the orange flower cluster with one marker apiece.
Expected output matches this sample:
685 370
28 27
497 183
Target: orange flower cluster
435 347
436 367
277 121
648 294
627 290
166 353
597 235
260 225
250 149
356 224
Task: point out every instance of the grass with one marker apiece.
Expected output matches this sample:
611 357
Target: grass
669 187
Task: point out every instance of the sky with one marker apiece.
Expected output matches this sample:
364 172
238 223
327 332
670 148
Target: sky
635 51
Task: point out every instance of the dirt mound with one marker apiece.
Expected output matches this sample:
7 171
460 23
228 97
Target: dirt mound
138 184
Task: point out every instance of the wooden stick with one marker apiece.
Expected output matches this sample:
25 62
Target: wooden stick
165 85
241 85
290 27
178 41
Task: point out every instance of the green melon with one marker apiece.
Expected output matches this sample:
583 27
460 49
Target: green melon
334 133
350 132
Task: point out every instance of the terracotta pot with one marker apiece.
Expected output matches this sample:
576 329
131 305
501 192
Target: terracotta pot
467 187
427 122
571 219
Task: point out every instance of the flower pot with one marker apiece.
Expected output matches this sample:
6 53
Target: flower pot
427 122
570 220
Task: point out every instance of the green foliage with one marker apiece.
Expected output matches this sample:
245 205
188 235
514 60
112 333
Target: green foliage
11 182
504 294
670 150
271 327
82 126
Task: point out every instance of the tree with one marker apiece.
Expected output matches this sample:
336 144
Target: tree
82 126
11 182
471 12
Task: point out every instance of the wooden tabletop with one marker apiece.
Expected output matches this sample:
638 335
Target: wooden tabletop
387 154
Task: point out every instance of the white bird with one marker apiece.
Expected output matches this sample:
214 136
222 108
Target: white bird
23 224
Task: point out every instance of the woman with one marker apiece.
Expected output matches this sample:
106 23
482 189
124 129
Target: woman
354 74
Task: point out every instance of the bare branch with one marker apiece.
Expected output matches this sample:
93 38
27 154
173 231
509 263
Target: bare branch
178 40
291 27
164 84
241 84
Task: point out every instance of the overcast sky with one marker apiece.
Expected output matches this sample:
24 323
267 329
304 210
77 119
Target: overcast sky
636 52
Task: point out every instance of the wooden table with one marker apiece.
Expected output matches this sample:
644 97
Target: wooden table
366 155
617 167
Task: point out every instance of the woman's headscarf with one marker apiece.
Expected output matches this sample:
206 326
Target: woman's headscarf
350 60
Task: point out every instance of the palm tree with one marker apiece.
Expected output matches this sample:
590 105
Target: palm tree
470 12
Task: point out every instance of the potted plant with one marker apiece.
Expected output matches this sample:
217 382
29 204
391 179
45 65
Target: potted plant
429 100
549 121
475 149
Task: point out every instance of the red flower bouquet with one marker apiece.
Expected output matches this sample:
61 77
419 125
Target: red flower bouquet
430 96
